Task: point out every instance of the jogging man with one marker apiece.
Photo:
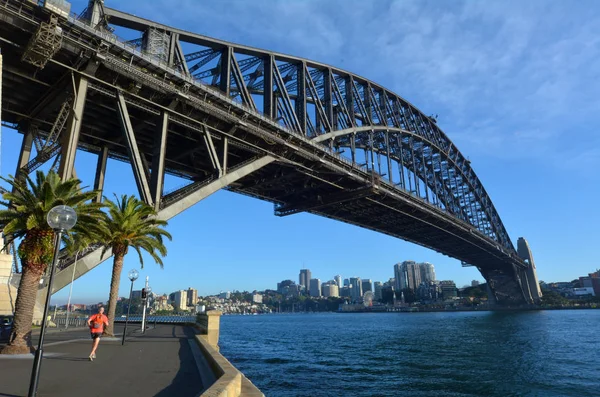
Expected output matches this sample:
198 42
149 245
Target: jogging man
96 322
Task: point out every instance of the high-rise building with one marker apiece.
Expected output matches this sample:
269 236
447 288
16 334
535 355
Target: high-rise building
408 275
474 283
180 300
338 281
192 297
304 279
397 276
367 285
356 285
315 287
427 272
346 282
378 288
330 289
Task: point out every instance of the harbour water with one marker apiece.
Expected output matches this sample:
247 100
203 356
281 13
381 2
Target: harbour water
538 353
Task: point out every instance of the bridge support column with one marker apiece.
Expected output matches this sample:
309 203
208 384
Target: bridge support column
25 153
139 171
70 137
213 187
158 160
100 173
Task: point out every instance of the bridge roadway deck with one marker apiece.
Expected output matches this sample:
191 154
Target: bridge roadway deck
158 363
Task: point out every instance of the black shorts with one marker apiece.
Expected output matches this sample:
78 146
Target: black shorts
95 335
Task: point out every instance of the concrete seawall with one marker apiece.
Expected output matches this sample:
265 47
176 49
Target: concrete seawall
224 378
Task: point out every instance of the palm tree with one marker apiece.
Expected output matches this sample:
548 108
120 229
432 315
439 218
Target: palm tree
130 223
25 217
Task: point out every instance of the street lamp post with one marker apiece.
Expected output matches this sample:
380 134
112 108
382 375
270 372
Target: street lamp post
146 304
61 219
133 275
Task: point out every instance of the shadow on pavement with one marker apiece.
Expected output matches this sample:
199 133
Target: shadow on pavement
187 368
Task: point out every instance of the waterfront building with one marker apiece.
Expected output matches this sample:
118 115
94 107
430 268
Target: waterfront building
330 289
448 288
474 283
428 291
427 272
304 279
367 285
591 281
315 287
338 280
378 287
257 298
346 282
583 291
192 297
225 295
356 292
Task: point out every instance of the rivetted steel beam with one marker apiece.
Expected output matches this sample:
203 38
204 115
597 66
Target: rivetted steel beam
212 152
268 97
100 173
70 137
225 75
301 97
134 153
157 177
238 76
177 57
348 131
327 201
24 153
213 187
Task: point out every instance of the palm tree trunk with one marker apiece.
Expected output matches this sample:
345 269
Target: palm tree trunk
114 292
20 339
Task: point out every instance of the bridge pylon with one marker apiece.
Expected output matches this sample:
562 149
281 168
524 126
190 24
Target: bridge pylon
533 285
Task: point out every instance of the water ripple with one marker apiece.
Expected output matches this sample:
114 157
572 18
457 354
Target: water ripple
553 353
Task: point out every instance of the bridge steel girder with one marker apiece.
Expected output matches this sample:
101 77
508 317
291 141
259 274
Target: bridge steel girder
335 100
89 260
100 173
157 177
139 170
70 139
415 170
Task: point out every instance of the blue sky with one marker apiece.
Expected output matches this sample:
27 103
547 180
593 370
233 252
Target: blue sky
514 84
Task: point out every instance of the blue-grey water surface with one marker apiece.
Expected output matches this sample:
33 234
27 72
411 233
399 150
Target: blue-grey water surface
538 353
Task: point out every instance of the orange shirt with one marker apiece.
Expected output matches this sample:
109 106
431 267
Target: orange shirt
98 318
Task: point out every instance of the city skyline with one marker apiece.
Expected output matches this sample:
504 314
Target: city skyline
508 147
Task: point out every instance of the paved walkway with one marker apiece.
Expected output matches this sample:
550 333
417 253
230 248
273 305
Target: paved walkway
158 363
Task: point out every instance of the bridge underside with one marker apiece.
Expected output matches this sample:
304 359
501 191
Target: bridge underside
97 96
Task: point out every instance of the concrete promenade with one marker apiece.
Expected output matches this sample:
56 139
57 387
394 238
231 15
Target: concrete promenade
158 363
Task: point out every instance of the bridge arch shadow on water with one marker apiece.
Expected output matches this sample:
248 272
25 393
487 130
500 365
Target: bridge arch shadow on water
306 136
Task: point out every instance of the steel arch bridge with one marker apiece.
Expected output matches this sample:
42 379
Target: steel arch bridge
306 136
